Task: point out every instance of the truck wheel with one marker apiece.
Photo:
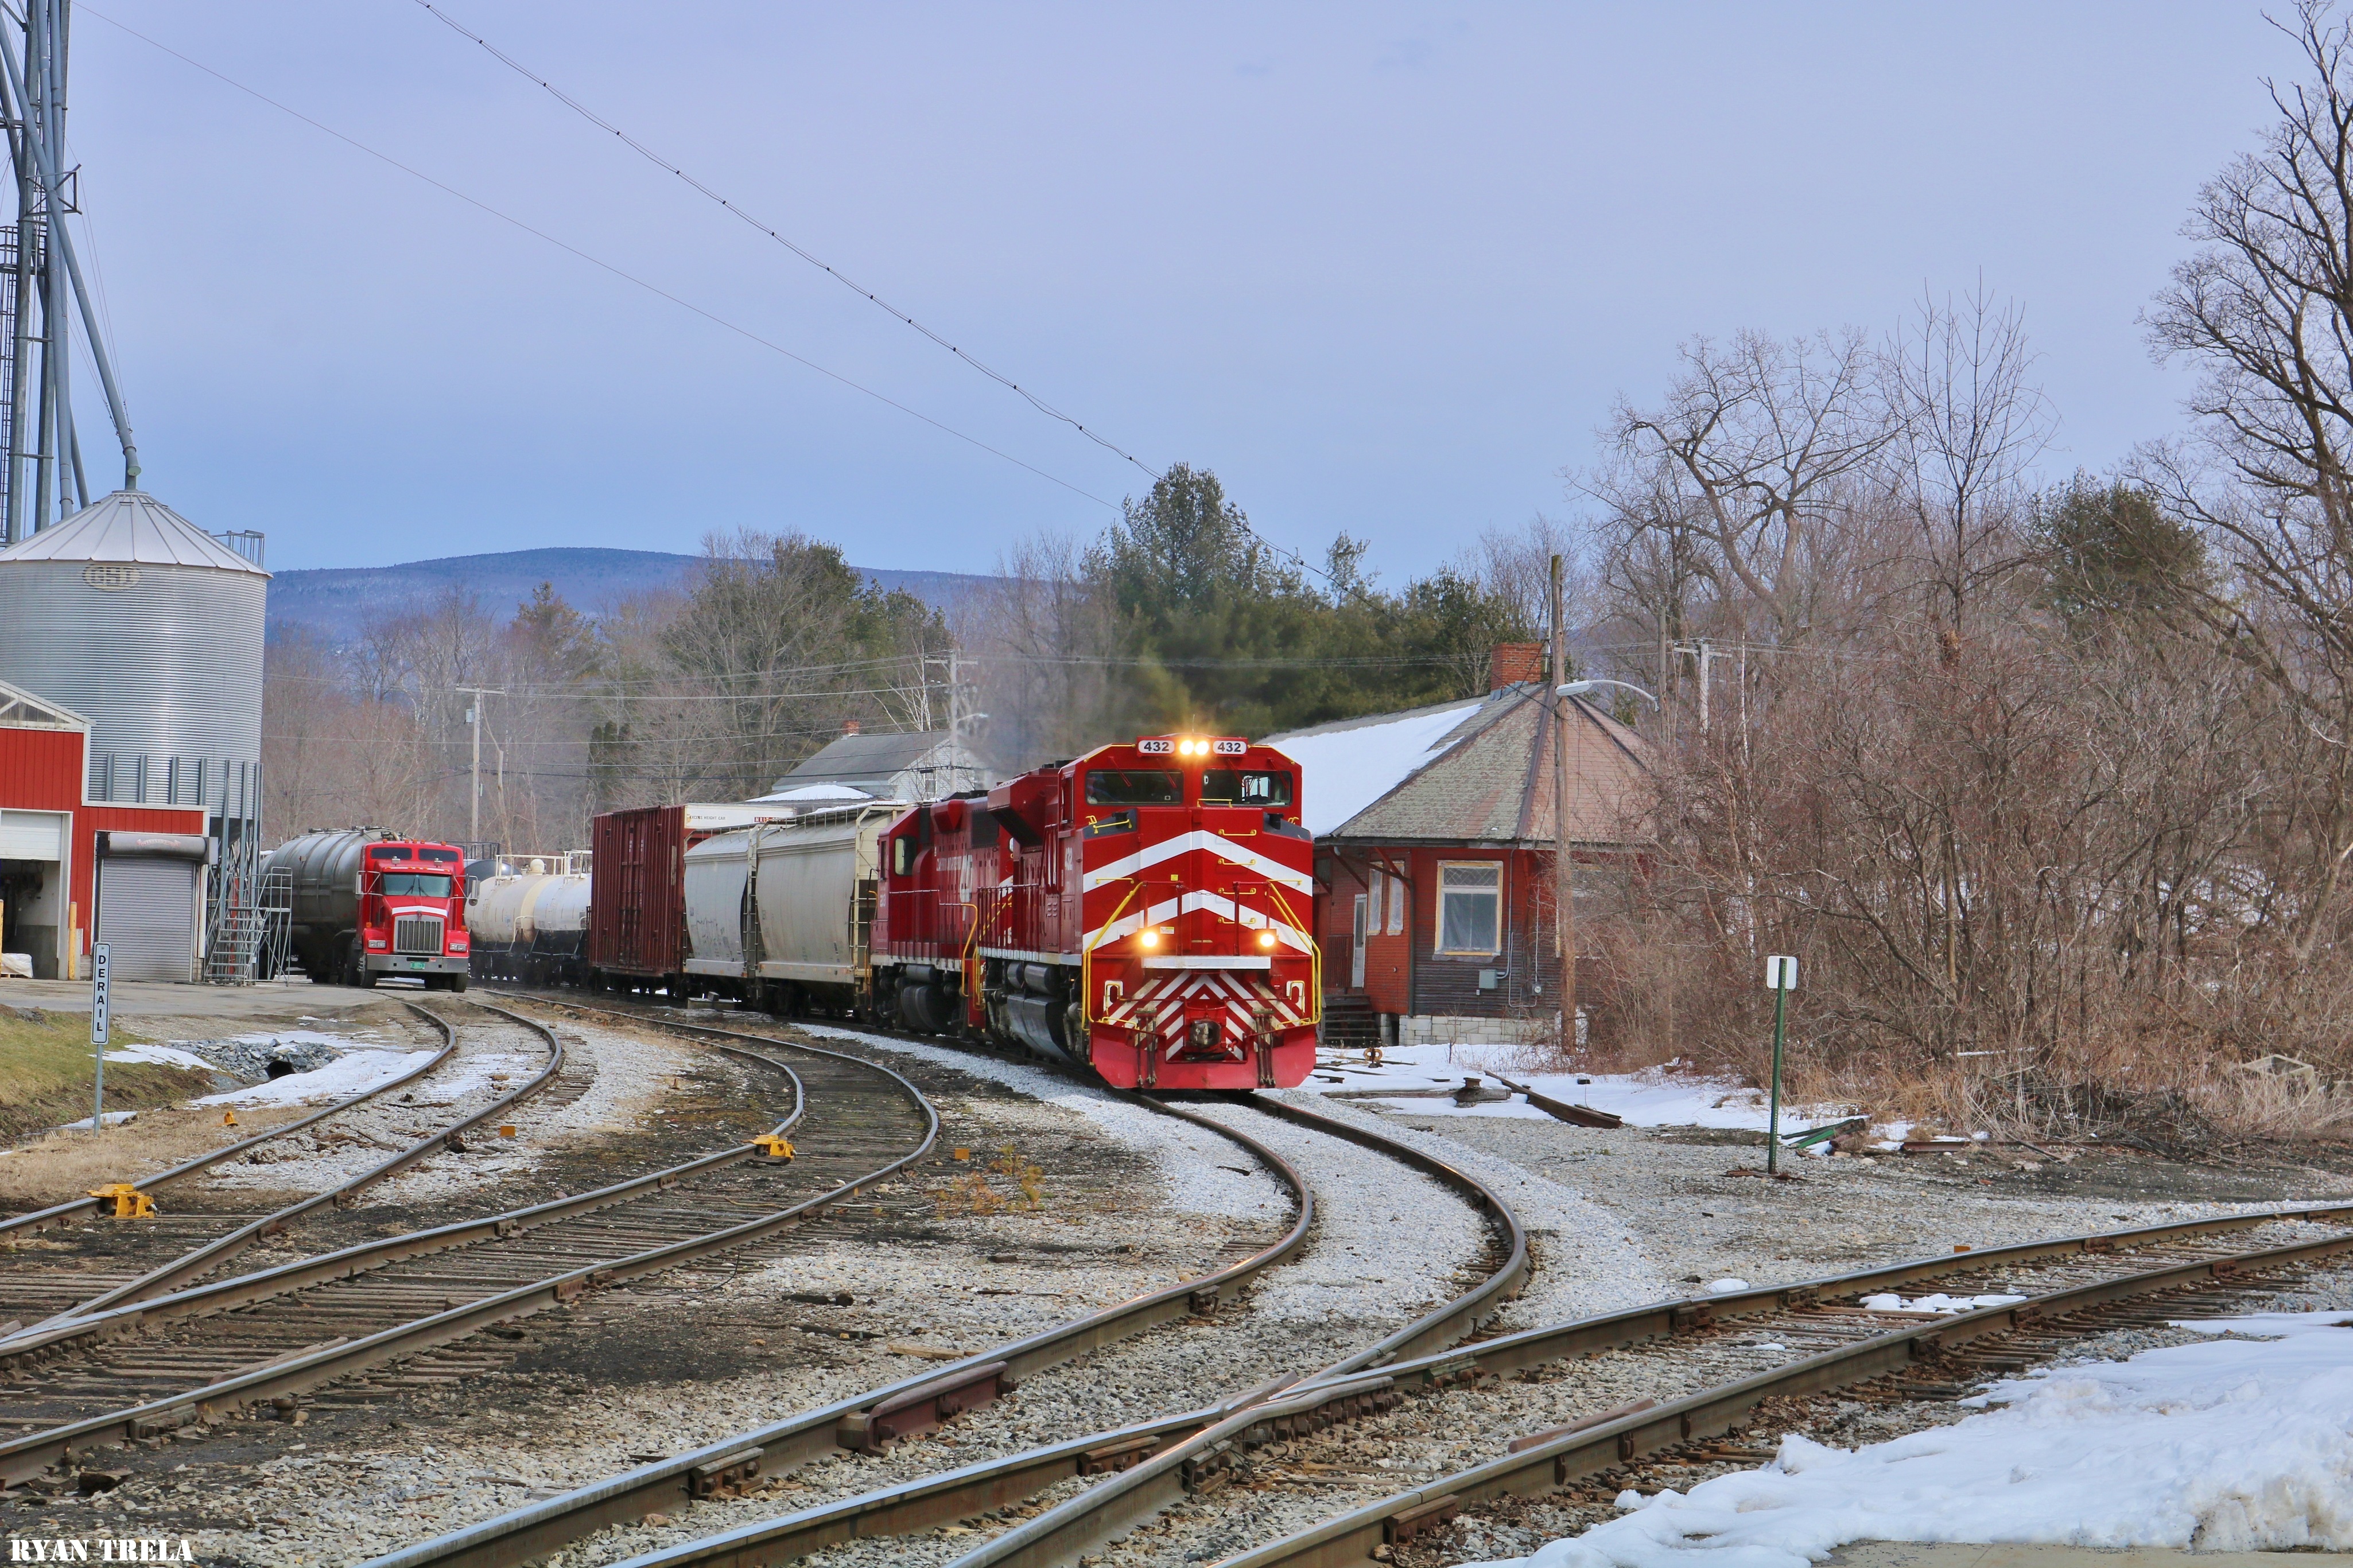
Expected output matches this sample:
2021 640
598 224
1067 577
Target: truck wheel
457 982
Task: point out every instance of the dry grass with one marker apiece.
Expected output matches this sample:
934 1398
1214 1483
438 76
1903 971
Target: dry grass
46 1071
64 1165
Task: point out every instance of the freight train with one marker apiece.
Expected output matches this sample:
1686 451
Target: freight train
1142 912
367 903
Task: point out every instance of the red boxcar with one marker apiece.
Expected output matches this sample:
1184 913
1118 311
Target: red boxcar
1143 911
637 892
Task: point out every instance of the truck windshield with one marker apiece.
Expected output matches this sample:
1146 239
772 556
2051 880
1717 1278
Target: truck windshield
1134 786
418 884
1224 786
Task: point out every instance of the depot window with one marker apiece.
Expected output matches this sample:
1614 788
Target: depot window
1135 786
1470 905
1226 787
415 884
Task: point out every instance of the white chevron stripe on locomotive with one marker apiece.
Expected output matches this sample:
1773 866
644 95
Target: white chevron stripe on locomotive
1217 844
1241 1000
1216 903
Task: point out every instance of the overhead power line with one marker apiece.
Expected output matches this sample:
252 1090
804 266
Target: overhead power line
863 292
651 288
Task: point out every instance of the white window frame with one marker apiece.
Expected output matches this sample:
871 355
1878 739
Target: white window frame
1397 904
1494 892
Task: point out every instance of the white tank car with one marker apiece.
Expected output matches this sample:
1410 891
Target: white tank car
529 921
796 889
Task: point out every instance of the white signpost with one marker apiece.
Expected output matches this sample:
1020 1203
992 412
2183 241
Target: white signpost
1780 978
98 1030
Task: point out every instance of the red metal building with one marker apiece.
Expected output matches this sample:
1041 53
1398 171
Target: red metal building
154 918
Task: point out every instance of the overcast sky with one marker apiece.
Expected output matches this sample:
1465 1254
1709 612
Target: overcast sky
1383 267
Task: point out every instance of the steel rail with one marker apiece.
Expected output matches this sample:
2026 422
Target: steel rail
543 1527
213 1254
226 1295
1544 1467
60 1212
961 1494
22 1456
1060 1534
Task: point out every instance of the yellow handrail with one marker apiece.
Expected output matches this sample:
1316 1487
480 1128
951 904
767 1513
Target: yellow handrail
1314 951
1087 954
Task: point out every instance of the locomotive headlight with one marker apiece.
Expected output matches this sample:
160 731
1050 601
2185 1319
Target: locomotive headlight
1150 938
1266 939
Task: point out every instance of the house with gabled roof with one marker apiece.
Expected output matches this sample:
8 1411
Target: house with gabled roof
1434 869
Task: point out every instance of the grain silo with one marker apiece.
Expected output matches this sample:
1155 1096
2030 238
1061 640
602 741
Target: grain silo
132 616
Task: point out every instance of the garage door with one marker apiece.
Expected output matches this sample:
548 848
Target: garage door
147 917
32 835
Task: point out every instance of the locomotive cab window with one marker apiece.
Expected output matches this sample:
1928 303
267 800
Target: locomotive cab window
1469 900
1226 787
415 884
1135 786
903 855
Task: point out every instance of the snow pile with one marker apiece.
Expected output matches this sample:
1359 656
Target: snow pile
250 1055
1651 1098
160 1056
355 1072
2235 1445
1891 1303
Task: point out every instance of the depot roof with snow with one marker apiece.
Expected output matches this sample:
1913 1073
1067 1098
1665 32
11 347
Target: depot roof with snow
1476 771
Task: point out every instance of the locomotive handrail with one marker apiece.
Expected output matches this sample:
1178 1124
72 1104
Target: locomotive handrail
1314 953
1087 956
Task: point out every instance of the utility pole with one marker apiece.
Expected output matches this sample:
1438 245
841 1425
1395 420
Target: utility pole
474 723
1564 878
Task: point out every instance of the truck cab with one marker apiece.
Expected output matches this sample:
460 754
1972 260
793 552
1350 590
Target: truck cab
411 918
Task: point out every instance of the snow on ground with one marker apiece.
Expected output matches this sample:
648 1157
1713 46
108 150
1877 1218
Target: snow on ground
1892 1302
1651 1098
161 1055
1205 1173
355 1072
2239 1444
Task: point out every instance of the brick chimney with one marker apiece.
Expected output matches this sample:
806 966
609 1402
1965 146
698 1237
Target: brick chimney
849 726
1512 662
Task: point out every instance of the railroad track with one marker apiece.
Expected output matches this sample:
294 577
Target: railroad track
915 1405
197 1355
73 1210
210 1256
1211 1473
104 1262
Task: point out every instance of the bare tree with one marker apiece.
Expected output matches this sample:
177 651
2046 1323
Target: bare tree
2264 308
1751 450
1968 425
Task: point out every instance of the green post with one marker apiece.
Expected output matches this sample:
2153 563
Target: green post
1773 1125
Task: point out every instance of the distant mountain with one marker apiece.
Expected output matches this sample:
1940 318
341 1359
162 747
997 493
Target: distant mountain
335 600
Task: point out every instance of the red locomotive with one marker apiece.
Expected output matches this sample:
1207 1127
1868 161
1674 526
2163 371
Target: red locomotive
1143 912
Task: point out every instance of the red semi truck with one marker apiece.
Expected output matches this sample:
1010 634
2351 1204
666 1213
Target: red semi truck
368 904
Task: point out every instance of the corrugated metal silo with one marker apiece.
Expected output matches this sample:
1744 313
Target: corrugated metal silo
129 614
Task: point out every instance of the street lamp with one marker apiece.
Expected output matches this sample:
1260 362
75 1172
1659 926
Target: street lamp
1579 687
